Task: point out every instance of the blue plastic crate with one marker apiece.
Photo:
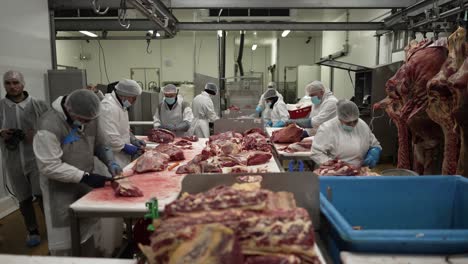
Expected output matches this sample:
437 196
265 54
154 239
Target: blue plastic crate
424 214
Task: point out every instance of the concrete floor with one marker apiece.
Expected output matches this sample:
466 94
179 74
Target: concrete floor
13 235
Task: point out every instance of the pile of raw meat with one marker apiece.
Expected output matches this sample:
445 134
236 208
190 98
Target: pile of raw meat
340 168
153 160
426 101
230 149
236 224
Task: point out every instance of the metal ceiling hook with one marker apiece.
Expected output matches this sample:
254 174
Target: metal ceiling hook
97 8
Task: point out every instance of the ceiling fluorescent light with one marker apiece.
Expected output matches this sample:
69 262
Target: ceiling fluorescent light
87 33
285 33
157 34
254 46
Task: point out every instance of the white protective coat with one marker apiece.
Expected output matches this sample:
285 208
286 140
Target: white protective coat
262 103
174 116
203 113
21 162
279 112
324 111
114 123
331 142
61 168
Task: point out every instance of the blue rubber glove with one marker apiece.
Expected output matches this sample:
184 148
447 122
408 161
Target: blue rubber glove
259 109
130 149
114 168
269 124
304 134
94 180
71 137
137 142
372 157
279 124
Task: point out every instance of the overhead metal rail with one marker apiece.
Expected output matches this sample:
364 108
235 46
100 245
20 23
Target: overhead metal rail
425 12
207 4
144 25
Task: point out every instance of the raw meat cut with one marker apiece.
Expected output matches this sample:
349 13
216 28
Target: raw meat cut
406 104
223 147
151 161
247 158
189 168
262 232
440 103
289 134
341 168
256 141
199 167
126 188
337 168
191 138
221 197
226 136
255 130
160 135
257 157
183 142
304 146
234 108
202 244
175 153
277 231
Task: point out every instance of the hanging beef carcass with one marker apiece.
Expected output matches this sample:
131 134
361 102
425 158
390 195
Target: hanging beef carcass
440 103
458 86
160 135
407 99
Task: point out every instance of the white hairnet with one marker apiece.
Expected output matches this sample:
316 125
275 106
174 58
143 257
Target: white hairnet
211 87
272 85
270 93
170 88
314 86
128 87
83 103
9 75
347 110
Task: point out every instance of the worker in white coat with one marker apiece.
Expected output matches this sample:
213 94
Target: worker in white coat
19 113
114 123
323 107
262 107
204 111
173 113
66 141
346 137
279 114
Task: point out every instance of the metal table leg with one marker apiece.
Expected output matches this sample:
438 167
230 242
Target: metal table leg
75 234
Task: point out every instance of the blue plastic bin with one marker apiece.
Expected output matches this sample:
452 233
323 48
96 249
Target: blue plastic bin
425 214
